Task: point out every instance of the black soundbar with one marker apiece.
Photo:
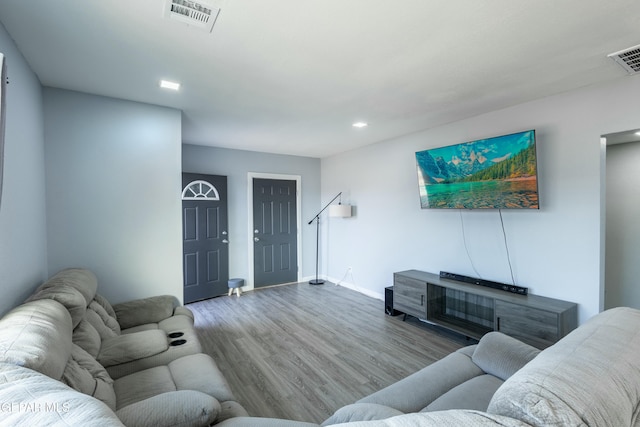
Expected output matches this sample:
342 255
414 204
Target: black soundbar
488 283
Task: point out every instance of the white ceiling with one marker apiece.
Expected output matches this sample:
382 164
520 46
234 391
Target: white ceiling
290 76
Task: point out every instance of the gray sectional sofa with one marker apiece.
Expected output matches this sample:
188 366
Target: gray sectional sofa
67 357
591 377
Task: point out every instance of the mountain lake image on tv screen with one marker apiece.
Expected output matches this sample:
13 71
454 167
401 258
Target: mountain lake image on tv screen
493 173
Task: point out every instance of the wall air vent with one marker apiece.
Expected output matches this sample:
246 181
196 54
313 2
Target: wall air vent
629 59
198 14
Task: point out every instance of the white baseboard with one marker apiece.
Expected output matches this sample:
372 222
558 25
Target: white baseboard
357 288
352 286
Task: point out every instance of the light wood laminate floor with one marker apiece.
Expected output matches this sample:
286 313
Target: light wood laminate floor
301 351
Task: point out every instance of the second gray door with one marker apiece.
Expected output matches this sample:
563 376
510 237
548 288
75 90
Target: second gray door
275 232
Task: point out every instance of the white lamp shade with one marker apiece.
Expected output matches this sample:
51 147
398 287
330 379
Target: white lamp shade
341 211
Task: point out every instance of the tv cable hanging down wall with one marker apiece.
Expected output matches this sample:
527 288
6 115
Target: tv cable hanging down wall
339 210
500 172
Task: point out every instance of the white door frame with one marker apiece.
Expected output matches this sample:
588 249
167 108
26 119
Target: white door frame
250 246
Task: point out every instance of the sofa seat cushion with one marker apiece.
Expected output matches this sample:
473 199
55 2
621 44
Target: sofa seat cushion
589 378
29 398
143 385
185 408
473 394
361 412
37 335
197 372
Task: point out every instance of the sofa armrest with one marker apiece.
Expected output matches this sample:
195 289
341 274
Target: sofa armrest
177 408
184 311
263 422
425 419
501 355
419 389
361 412
146 310
128 347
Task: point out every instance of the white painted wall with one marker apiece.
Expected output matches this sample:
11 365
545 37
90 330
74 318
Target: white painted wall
554 251
113 172
23 240
236 164
623 226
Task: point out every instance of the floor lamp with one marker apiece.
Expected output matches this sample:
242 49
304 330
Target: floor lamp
338 210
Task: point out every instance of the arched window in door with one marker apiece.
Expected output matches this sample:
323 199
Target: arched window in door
200 190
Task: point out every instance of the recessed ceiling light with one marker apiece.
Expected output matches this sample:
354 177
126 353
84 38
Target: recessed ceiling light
166 84
360 125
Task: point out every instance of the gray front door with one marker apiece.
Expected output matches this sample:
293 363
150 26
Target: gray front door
204 234
275 251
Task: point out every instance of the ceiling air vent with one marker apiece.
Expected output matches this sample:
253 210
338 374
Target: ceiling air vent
629 59
198 14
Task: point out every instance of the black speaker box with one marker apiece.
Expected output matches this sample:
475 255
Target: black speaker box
388 302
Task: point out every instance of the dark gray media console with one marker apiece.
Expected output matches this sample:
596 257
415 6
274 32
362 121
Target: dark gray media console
474 310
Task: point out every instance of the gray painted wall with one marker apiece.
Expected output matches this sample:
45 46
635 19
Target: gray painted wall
99 148
23 237
623 226
113 192
554 251
236 164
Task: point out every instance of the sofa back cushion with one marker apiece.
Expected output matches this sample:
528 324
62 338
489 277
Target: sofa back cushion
591 377
107 307
66 295
83 280
87 337
108 326
84 374
37 335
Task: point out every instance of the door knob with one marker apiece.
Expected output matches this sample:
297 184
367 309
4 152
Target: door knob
225 241
255 239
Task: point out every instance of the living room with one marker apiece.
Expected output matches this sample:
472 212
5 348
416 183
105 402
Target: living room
62 148
93 181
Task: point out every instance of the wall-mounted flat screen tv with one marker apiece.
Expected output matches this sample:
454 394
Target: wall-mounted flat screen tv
492 173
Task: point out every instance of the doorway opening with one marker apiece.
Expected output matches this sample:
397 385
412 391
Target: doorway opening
620 228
